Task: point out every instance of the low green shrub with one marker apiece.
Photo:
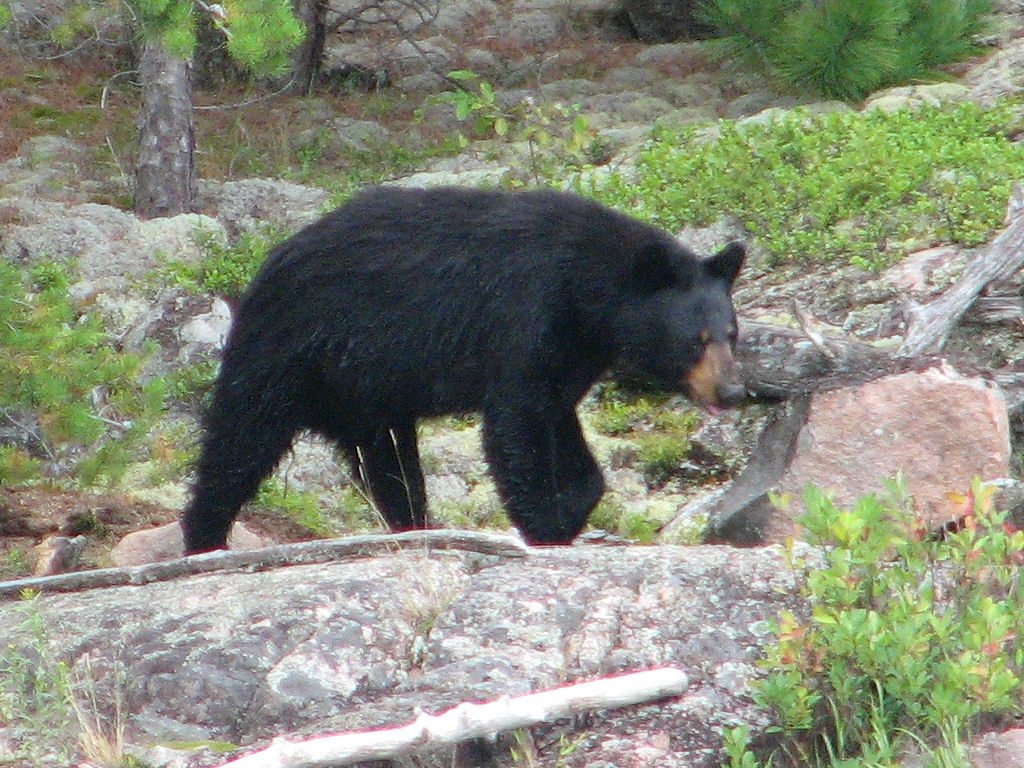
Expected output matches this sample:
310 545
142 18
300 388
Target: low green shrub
844 187
302 507
915 637
558 137
77 400
226 269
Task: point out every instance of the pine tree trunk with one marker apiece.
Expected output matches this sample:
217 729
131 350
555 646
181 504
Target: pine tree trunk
309 54
165 176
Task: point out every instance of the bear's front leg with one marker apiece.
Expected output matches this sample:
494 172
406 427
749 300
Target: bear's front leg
547 478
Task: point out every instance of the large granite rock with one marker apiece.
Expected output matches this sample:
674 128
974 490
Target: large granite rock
366 641
937 427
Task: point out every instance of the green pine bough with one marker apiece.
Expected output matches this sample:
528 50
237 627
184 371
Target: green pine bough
259 34
845 49
77 403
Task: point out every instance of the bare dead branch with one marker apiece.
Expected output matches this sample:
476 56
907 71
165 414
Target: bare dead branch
299 553
469 721
931 323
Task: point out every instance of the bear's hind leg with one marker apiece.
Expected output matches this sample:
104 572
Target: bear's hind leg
389 469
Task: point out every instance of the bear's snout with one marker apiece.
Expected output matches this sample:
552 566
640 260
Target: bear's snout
714 381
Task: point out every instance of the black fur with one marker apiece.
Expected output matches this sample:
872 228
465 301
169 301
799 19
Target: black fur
406 303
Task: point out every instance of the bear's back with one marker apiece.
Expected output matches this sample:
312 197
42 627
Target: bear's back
436 289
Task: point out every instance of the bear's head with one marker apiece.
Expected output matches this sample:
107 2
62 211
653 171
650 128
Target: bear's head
680 328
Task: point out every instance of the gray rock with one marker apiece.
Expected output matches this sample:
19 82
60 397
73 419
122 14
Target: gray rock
606 109
105 243
706 241
752 103
909 96
999 76
629 78
661 21
686 116
249 204
209 329
484 62
569 90
693 92
59 554
673 59
44 166
413 58
998 750
359 135
531 28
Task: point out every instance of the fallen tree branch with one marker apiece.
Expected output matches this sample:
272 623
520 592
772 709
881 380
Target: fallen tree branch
299 553
811 331
931 323
780 362
469 721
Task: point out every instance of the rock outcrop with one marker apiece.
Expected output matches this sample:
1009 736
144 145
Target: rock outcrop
368 641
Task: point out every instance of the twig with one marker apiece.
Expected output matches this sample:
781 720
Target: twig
469 721
807 325
247 102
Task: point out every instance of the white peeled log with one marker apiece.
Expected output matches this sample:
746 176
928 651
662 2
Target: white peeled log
469 721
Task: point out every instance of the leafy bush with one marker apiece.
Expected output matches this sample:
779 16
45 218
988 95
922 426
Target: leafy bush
557 137
860 187
225 270
303 508
74 398
846 49
913 637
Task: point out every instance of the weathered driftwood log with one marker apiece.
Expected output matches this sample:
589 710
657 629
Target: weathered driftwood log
931 323
781 361
469 721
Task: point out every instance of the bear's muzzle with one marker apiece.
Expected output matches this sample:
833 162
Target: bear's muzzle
714 381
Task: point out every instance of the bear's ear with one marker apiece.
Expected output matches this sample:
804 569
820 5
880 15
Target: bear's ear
653 270
726 264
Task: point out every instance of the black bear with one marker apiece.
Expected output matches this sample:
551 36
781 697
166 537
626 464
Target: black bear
408 303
